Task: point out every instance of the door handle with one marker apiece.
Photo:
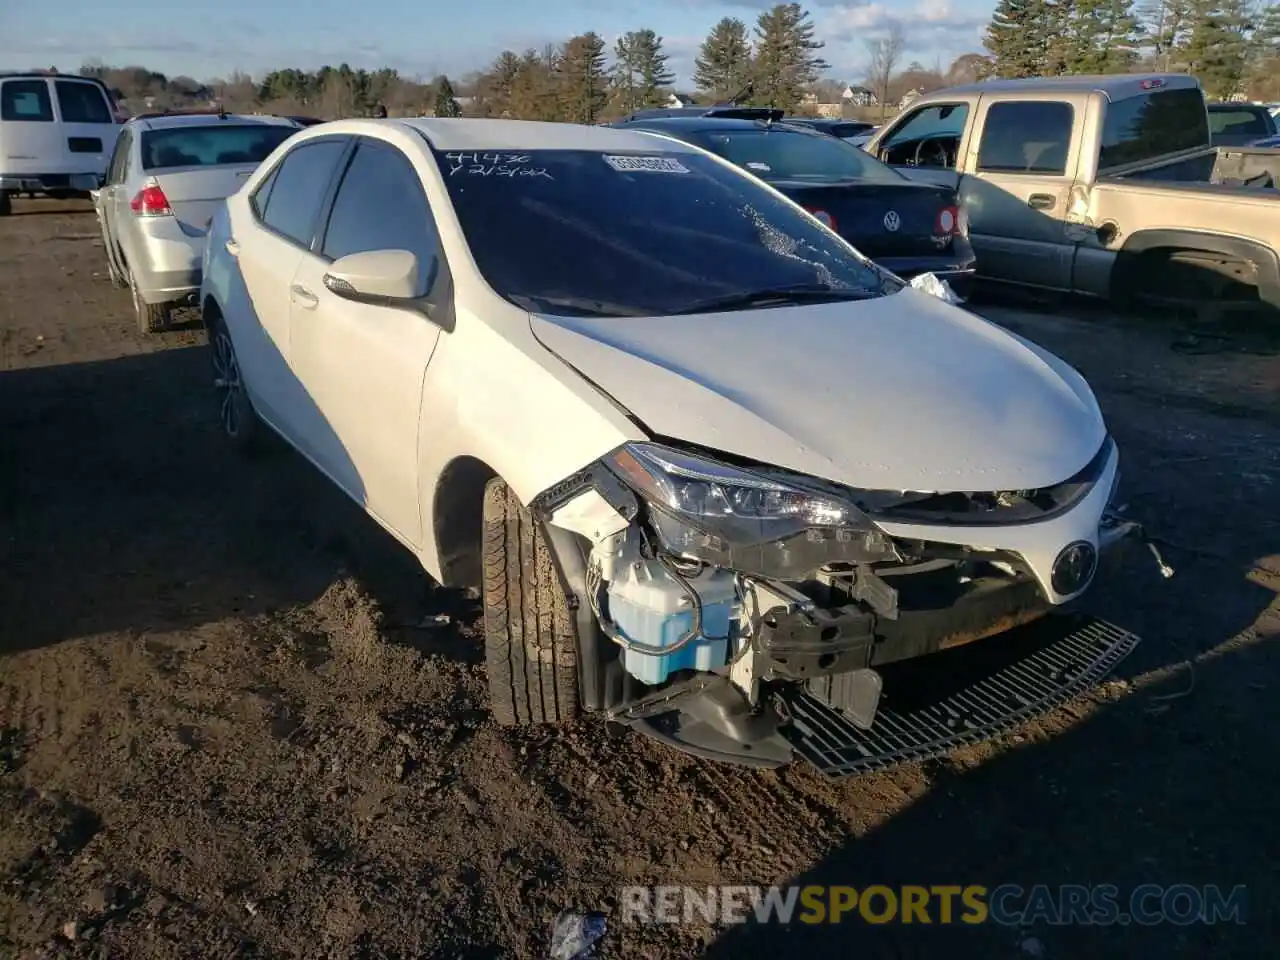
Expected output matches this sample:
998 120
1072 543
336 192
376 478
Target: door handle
233 248
303 297
1042 201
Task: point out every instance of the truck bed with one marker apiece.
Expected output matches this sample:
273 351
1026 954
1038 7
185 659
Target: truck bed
1231 168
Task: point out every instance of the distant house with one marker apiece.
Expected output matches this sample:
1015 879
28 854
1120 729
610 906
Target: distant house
677 101
907 98
856 96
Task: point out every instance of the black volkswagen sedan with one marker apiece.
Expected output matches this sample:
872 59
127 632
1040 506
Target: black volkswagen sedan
907 227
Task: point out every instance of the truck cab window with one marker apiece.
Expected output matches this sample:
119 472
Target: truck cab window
928 137
1033 136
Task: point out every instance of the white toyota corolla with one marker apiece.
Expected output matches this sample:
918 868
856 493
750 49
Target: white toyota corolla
711 469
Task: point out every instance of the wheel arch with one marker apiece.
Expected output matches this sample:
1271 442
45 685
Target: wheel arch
457 520
1145 243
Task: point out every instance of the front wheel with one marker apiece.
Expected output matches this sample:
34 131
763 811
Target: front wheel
238 419
6 206
530 638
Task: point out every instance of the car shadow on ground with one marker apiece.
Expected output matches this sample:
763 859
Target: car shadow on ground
124 509
1183 783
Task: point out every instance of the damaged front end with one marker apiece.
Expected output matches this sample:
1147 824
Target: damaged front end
738 603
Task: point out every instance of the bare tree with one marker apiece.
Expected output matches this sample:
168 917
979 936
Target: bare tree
885 53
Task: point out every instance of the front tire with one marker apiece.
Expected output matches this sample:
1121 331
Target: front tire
531 647
236 416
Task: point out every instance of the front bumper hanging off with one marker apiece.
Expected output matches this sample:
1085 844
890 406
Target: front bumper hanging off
933 704
865 710
928 722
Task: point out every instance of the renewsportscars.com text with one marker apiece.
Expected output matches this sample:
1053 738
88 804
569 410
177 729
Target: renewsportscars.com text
1007 904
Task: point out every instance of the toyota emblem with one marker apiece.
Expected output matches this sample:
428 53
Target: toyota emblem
892 221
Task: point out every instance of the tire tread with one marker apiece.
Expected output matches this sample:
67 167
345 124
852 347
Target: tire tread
530 637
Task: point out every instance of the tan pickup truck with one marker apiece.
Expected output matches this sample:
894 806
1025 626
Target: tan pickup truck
1105 186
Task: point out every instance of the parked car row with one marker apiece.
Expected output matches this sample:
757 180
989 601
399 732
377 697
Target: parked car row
661 392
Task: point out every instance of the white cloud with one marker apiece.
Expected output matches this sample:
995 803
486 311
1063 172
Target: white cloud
930 28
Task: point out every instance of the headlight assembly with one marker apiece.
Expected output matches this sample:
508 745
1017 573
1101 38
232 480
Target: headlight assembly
766 525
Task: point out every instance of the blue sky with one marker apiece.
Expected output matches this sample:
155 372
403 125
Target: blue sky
425 38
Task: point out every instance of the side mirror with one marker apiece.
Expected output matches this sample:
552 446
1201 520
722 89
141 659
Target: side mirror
386 278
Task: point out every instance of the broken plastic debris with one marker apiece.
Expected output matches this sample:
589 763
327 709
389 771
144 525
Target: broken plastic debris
575 935
935 286
435 620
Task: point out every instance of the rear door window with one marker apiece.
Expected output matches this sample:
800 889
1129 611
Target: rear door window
26 100
1153 125
1033 136
80 102
299 187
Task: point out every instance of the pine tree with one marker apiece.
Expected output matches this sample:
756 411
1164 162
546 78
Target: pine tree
640 73
723 64
1217 49
787 62
583 79
1097 36
1166 24
1019 38
446 102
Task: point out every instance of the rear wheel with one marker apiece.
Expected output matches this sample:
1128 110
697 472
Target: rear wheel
151 317
530 638
236 416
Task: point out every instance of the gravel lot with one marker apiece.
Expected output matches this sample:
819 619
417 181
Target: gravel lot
230 725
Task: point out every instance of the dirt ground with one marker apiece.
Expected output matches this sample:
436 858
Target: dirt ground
235 720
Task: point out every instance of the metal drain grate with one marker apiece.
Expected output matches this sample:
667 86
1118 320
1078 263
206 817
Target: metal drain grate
999 701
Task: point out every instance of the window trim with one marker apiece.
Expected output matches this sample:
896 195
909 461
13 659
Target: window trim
978 168
49 98
273 175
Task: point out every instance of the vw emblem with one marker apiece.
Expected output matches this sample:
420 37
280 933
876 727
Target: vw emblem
892 221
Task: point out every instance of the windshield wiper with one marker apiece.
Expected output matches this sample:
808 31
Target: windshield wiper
581 306
792 293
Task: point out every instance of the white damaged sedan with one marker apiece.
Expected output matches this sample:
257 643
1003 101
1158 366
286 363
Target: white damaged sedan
714 473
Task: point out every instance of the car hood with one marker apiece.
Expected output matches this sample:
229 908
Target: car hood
902 392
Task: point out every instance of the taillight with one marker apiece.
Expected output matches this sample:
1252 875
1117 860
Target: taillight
827 219
947 223
151 202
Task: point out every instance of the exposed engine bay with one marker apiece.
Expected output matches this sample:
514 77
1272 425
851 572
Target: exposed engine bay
719 585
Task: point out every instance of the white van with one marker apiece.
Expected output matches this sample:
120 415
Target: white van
56 135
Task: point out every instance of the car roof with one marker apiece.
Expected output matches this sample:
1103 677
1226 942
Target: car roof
168 120
1113 86
711 124
469 133
29 75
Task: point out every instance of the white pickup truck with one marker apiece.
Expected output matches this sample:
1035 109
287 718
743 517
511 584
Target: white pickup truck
1105 186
